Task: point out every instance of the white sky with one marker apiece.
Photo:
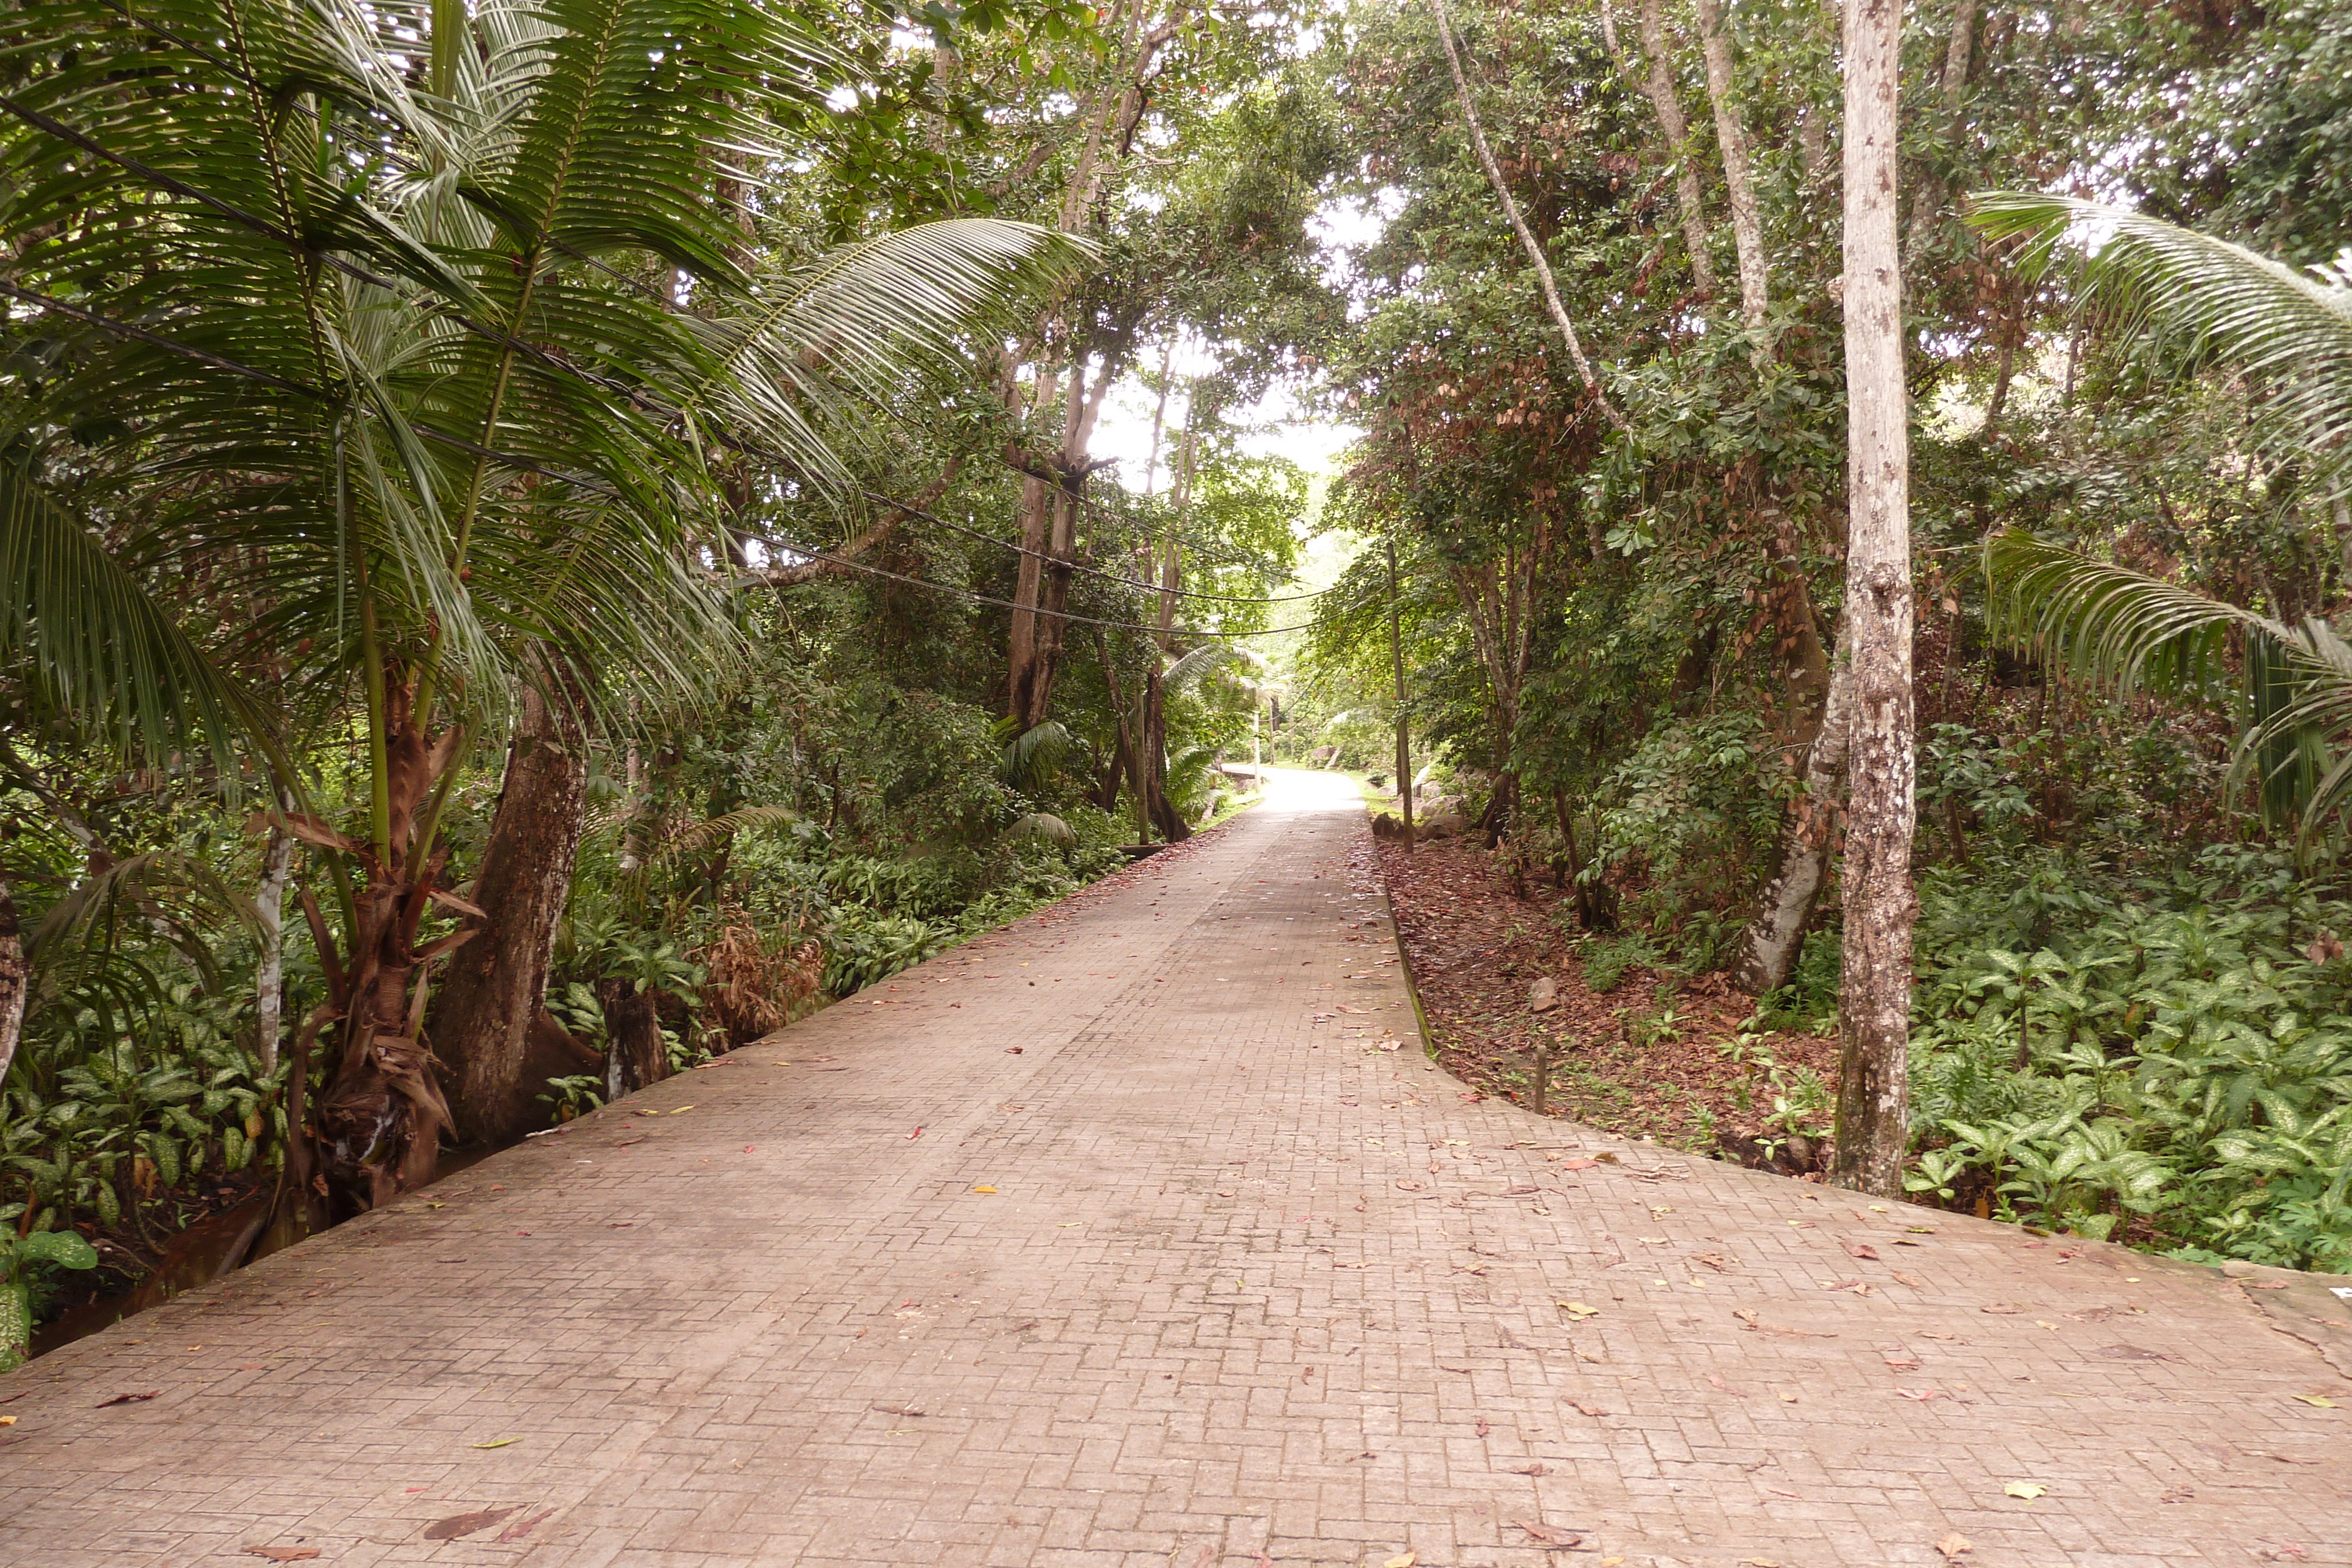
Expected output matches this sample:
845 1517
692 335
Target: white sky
1282 426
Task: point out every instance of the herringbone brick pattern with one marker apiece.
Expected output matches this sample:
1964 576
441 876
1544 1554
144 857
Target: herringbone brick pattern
1247 1288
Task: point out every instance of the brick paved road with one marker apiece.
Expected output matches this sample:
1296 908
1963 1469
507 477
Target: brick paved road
1247 1288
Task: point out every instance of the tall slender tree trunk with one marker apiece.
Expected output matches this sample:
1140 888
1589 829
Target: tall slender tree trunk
1775 936
1875 1012
269 920
1403 720
1738 177
13 977
493 994
1162 811
1658 85
1511 205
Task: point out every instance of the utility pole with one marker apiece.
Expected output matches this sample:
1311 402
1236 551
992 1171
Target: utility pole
1404 732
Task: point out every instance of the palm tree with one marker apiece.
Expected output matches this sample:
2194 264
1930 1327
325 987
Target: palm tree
2289 332
367 331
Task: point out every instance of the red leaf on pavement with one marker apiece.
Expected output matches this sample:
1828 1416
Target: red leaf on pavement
1548 1535
1862 1250
522 1527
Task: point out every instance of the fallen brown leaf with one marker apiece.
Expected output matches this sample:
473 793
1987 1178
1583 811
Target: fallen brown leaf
1862 1250
459 1525
126 1399
283 1554
1550 1535
1535 1470
1953 1545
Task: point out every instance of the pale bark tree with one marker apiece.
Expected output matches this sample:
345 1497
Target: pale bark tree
1657 82
13 976
1776 932
1774 938
1874 1007
1738 173
269 933
1519 223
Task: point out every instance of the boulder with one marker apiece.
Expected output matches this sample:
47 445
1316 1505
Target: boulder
1544 994
1446 824
1386 826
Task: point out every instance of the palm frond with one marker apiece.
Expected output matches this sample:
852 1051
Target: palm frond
1031 755
106 650
712 832
1197 666
2290 329
171 896
1044 828
807 352
2127 631
2108 623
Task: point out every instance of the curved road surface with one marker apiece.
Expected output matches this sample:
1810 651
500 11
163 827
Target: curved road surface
1182 1269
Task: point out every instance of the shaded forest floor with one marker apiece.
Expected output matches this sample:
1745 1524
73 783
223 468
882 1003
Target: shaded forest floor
1657 1056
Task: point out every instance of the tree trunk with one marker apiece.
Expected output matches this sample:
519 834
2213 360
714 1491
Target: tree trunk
269 920
1776 934
633 1024
1739 178
1171 822
382 1113
1659 85
492 995
1519 223
1403 720
13 975
1873 1104
1164 815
